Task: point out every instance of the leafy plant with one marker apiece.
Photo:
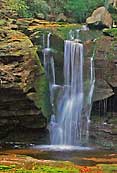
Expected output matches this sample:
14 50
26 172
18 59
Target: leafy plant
38 6
81 9
20 6
73 9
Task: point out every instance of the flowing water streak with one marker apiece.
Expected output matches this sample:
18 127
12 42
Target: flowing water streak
49 66
105 106
89 103
48 40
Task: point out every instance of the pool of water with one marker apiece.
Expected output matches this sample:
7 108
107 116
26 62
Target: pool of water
88 156
61 148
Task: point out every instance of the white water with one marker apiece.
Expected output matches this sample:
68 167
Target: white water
70 122
49 66
62 148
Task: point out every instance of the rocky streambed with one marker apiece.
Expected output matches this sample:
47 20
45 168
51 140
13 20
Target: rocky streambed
33 161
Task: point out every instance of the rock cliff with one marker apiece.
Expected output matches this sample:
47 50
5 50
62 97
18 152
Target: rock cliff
24 103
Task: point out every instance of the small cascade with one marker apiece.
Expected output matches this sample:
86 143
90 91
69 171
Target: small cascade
49 66
48 40
105 107
92 80
69 123
90 96
73 34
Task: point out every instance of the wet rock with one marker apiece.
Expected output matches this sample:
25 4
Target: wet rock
102 133
105 66
102 90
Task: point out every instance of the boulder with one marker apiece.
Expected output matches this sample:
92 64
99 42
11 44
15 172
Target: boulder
113 2
40 16
100 16
61 18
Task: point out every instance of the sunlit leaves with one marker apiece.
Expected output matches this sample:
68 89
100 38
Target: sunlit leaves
81 9
20 6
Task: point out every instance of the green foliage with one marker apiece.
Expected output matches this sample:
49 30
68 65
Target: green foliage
77 10
57 6
113 12
105 168
2 22
29 8
6 168
63 31
111 32
20 6
39 168
81 9
38 6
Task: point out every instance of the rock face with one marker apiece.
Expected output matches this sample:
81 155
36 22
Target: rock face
20 73
100 16
24 92
104 133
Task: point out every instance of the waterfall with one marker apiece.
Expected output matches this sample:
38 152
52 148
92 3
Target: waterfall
70 122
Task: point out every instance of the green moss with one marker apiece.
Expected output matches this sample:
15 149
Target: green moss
39 168
2 22
42 99
63 31
6 168
111 32
42 89
107 168
66 168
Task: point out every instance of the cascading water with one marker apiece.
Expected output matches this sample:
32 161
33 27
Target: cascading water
68 121
49 65
69 125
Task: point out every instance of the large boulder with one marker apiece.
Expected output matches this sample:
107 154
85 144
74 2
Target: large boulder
100 16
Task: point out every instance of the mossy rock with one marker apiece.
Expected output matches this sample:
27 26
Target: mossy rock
42 97
21 55
111 32
2 22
